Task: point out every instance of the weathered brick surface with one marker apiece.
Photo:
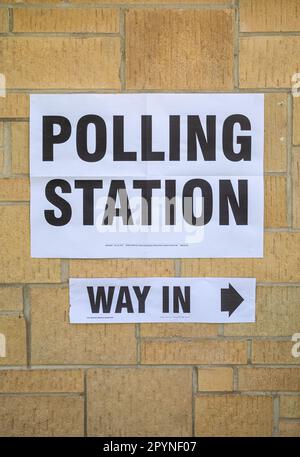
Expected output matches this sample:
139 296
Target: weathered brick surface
269 379
14 248
14 189
289 429
273 61
1 159
25 2
296 120
215 379
194 352
11 299
145 2
14 105
41 416
269 16
45 381
127 2
13 328
275 201
161 43
140 402
78 20
1 146
232 415
61 63
121 268
280 263
1 134
276 132
3 20
277 313
55 341
173 330
290 406
273 352
20 147
296 188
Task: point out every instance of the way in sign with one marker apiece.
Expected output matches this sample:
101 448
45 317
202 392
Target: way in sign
132 300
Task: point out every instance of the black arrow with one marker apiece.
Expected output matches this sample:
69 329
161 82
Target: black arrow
230 299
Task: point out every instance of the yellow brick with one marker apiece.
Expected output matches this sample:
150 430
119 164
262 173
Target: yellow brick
14 105
1 134
20 147
56 341
1 146
3 20
13 328
61 62
277 314
296 188
1 159
269 379
11 298
41 416
173 330
194 352
233 416
179 49
269 16
14 189
275 201
13 2
273 61
41 381
290 406
275 132
281 262
215 379
14 248
273 352
121 268
66 20
140 402
291 429
296 117
145 2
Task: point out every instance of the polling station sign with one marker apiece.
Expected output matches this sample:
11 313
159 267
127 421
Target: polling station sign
129 300
146 175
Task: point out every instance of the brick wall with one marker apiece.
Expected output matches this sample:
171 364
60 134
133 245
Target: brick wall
150 379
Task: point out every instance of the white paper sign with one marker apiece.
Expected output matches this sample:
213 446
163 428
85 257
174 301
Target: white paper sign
115 300
146 175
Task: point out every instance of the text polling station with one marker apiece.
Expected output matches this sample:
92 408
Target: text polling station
146 175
